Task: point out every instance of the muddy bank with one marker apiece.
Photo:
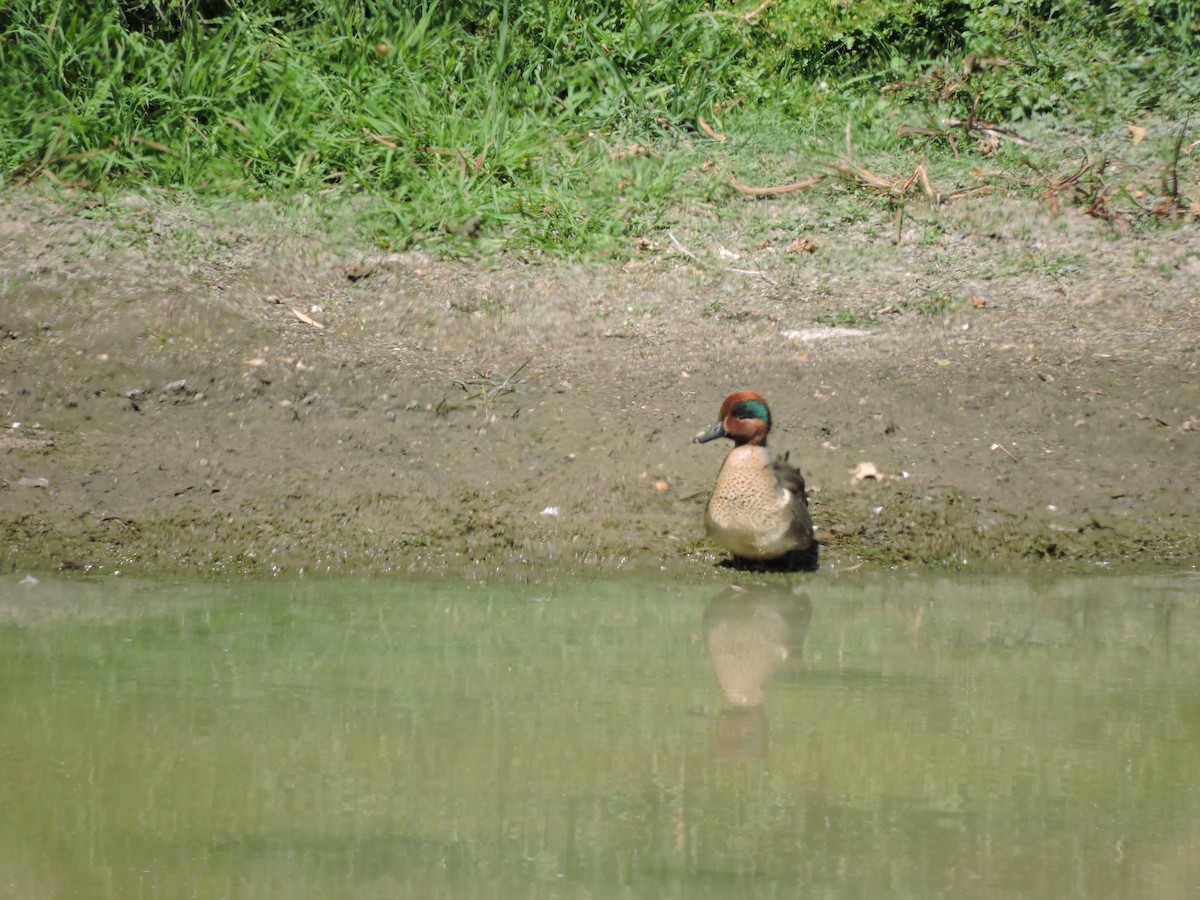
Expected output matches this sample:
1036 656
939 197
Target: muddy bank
186 391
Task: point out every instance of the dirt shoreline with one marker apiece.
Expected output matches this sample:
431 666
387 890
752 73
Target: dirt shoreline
189 392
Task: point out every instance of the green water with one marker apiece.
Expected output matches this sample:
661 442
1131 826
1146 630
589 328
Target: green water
889 737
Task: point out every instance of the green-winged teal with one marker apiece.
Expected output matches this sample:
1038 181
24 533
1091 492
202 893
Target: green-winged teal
758 509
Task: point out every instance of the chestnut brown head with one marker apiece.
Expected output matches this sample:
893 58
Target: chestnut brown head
744 418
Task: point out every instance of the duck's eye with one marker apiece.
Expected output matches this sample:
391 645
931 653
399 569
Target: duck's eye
751 409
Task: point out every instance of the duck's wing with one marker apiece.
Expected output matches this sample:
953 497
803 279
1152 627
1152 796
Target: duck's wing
789 476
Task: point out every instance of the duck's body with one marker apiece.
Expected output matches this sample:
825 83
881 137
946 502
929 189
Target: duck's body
758 509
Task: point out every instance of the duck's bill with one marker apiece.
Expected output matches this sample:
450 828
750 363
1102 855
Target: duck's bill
717 431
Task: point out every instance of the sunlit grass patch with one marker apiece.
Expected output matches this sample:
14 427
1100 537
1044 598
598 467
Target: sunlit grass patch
577 125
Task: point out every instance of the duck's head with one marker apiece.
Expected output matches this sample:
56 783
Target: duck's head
745 418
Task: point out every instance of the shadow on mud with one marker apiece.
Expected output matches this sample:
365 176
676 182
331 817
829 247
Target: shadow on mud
807 560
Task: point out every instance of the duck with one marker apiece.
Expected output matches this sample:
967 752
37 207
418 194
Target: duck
758 509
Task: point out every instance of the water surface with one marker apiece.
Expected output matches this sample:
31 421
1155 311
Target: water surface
855 737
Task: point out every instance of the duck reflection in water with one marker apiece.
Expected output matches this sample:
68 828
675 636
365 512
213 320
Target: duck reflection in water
752 633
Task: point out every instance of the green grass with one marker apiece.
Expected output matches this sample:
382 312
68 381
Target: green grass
555 125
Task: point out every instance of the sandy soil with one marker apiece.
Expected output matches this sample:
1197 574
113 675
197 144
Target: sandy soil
191 392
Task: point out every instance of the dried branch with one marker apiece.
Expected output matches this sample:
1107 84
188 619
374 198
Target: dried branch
708 129
774 191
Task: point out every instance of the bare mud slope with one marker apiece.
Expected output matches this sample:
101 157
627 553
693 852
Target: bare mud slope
188 392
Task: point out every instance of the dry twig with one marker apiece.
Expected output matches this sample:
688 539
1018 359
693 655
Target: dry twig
774 191
306 319
708 129
387 141
1172 203
992 131
757 273
493 388
746 17
1054 187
